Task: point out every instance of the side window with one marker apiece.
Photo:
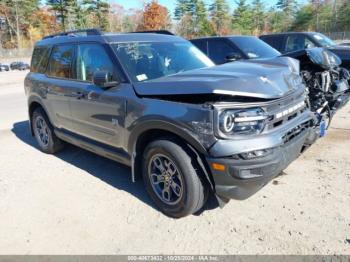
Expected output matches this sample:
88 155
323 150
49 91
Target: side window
201 45
297 42
274 41
40 58
219 49
92 58
60 61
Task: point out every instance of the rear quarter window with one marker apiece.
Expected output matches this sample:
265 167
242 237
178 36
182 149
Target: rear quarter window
40 59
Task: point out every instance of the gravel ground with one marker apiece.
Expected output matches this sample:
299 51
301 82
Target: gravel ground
78 203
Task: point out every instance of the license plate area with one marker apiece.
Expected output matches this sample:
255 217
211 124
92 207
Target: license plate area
322 128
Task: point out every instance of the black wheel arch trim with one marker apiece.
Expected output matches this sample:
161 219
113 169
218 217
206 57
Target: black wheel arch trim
163 125
31 100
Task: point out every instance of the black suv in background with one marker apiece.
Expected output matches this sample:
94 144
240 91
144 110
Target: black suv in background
223 49
158 104
295 41
4 67
19 66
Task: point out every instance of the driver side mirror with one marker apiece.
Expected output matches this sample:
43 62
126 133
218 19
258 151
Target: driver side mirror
232 57
104 79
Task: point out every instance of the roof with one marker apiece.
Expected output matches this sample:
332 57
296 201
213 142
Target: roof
288 33
110 38
224 36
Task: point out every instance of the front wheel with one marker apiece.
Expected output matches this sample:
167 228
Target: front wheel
173 179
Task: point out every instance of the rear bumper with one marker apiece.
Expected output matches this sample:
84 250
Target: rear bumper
242 178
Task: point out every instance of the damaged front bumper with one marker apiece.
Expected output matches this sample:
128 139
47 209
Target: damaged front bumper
239 177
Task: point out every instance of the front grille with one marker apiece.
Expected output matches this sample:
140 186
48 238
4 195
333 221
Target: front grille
284 111
294 132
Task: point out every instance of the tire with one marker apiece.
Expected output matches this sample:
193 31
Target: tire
44 133
176 193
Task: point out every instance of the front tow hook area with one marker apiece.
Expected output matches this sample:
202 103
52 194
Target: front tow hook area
238 178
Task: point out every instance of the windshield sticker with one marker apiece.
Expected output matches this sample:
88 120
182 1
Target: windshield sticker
142 77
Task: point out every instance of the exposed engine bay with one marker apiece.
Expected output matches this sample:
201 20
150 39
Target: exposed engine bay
326 81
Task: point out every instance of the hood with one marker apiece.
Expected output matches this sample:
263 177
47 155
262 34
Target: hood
267 79
341 50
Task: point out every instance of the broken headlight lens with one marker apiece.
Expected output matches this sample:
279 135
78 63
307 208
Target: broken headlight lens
242 121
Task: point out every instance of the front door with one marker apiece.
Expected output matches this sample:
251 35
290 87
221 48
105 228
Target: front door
97 113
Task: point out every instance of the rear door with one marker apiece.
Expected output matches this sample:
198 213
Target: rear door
58 84
98 114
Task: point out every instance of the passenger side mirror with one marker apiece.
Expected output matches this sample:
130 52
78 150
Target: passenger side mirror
232 57
104 79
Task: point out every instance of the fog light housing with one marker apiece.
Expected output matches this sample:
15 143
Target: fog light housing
256 154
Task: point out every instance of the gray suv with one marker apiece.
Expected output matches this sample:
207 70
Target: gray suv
156 103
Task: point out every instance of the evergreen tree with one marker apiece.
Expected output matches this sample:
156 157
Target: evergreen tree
182 8
289 8
202 25
63 10
303 19
275 20
242 21
344 16
193 17
219 15
258 14
100 8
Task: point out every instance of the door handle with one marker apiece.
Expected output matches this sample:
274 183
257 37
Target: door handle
77 95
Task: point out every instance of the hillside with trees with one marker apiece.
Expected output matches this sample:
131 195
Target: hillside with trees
22 22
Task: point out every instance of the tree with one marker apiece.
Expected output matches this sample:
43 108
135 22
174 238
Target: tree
303 19
289 8
219 15
99 9
43 23
344 15
202 25
16 14
275 20
258 14
64 12
182 8
155 17
242 21
193 17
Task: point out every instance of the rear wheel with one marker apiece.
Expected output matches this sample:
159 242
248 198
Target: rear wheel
173 179
44 132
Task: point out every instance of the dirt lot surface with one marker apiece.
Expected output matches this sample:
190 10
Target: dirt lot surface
78 203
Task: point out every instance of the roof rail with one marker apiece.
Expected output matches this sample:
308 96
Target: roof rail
162 32
92 31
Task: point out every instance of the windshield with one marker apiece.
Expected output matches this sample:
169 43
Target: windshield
254 47
323 40
150 60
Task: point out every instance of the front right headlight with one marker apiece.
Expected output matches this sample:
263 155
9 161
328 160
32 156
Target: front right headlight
234 122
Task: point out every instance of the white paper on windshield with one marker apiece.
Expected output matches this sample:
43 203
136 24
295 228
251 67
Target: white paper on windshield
141 77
